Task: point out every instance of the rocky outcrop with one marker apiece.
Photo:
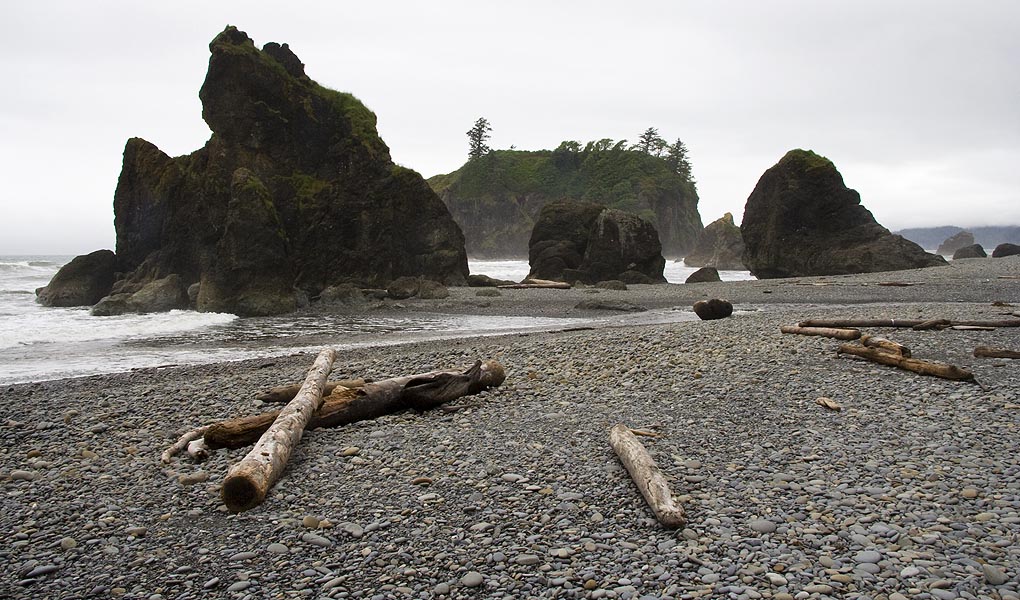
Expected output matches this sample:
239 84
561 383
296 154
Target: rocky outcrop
704 275
1006 249
971 251
294 192
81 282
719 246
802 220
587 242
497 198
955 242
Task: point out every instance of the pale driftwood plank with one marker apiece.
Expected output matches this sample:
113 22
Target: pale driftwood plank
646 474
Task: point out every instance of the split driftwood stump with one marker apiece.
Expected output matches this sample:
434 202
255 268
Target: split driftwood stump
924 367
830 332
248 481
647 476
881 343
349 405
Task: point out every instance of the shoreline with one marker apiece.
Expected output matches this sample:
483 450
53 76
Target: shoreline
912 488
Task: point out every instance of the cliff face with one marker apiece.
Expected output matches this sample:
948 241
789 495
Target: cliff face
802 220
497 198
294 192
720 246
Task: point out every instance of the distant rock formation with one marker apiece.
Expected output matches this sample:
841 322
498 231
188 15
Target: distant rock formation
1003 250
802 220
955 242
81 282
587 242
989 237
971 251
293 193
497 198
719 246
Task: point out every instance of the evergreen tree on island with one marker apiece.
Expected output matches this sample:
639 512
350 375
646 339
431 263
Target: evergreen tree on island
477 136
650 142
676 156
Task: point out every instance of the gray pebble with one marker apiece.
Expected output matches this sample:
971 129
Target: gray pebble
472 579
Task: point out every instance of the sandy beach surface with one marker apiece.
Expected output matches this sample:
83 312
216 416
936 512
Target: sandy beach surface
912 490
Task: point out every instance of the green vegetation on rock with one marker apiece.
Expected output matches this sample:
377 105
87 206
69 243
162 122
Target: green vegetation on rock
496 197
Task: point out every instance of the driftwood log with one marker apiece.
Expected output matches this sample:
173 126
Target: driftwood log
647 476
987 352
536 284
924 367
902 323
831 332
372 400
248 481
182 443
286 393
881 343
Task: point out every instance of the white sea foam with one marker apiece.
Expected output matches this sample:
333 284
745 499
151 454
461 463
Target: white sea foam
515 270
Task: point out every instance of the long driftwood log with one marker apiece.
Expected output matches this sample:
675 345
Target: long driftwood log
347 405
903 323
831 332
881 343
248 481
987 352
536 284
647 476
924 367
286 393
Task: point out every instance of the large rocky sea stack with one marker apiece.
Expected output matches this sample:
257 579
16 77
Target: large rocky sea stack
294 192
802 220
497 198
719 246
587 242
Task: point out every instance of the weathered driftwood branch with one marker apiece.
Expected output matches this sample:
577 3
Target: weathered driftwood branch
987 352
902 323
881 343
924 367
647 476
931 324
248 481
286 393
182 443
346 405
536 284
828 403
831 332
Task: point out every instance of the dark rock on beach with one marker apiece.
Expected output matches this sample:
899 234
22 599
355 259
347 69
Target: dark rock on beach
1005 249
719 246
587 242
479 280
81 282
802 220
403 288
971 251
710 310
704 275
294 192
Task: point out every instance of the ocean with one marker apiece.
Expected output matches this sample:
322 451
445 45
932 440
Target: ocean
39 343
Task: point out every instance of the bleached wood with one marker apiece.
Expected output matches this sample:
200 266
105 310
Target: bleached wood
831 332
182 443
646 474
248 481
881 343
924 367
286 393
349 405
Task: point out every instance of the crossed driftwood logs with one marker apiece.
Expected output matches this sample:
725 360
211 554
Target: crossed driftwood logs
276 434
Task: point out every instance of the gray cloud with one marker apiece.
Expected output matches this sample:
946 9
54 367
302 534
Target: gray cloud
914 101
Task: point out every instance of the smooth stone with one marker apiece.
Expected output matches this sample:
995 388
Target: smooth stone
353 529
67 543
250 555
316 540
527 559
818 589
20 475
868 556
441 589
310 522
776 579
994 575
193 478
763 526
350 451
136 531
969 493
239 586
910 571
277 548
472 579
41 570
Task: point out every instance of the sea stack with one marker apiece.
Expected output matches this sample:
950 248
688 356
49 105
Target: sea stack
802 220
294 192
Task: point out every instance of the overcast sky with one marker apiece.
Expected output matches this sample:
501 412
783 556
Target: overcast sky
916 102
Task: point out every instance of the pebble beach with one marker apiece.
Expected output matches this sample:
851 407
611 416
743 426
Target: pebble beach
911 490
